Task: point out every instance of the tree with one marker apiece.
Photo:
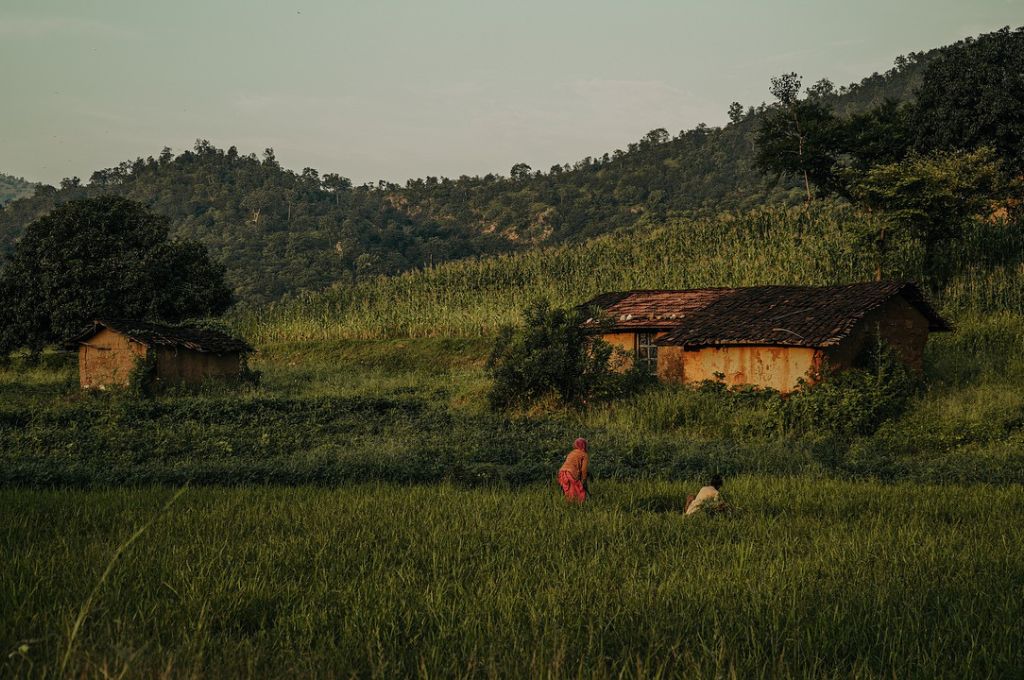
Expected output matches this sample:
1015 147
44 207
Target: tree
520 172
103 257
822 88
552 354
656 136
798 137
972 95
877 136
929 198
256 202
736 113
337 185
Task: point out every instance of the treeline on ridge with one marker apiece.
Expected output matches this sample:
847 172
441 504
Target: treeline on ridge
280 232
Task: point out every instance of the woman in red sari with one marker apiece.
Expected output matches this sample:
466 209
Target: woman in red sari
572 476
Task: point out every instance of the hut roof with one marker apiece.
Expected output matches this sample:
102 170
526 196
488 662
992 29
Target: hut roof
798 316
650 309
153 334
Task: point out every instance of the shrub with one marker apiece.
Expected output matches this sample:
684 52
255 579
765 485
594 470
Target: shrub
551 354
855 401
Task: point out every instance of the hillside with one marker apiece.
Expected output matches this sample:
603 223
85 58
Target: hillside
282 232
12 188
773 245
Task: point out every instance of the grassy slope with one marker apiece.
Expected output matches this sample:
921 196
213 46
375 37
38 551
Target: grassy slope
473 298
812 578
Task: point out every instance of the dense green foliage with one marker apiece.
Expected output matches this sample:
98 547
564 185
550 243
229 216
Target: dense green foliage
14 187
106 257
280 232
550 354
931 199
971 97
854 402
924 167
811 578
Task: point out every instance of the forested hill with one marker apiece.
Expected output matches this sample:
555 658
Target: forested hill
280 231
14 187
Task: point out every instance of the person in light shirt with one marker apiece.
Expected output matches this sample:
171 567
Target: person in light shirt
707 495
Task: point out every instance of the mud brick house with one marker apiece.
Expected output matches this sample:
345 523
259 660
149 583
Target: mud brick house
108 352
767 336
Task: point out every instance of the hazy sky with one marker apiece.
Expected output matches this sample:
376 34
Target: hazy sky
398 89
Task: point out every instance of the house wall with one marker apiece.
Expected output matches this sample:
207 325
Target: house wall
670 363
898 323
627 343
107 359
176 365
778 368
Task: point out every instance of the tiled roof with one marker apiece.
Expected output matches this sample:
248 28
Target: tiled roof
802 316
650 309
152 334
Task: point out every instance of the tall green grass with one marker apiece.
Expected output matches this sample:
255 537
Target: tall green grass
811 578
471 298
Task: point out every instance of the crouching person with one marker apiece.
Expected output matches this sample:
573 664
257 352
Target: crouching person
572 476
708 498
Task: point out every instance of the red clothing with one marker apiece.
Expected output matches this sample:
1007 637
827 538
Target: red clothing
572 488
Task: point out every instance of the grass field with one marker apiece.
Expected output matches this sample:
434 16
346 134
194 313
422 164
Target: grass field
361 513
413 411
809 578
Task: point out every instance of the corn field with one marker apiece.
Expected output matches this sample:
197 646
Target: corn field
472 298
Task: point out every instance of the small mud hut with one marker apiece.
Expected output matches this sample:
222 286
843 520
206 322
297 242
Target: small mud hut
110 350
765 336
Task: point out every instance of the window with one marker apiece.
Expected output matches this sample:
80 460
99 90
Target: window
647 351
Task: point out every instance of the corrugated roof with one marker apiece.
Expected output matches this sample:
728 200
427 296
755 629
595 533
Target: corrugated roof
153 334
802 316
653 309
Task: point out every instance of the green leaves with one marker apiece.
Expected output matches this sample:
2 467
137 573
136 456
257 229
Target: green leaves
929 198
972 95
551 354
103 257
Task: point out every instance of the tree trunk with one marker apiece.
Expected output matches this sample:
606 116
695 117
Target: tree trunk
880 251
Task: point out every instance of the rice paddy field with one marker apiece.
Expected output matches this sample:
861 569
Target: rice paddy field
361 513
806 578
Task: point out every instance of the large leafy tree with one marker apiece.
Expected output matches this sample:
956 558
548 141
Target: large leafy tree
928 198
972 95
102 257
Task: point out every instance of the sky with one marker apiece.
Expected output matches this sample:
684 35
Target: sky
393 89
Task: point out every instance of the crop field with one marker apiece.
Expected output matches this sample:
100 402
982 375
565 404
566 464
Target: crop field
807 578
361 513
809 246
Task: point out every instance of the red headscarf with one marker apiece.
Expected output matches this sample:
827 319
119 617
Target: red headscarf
580 444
